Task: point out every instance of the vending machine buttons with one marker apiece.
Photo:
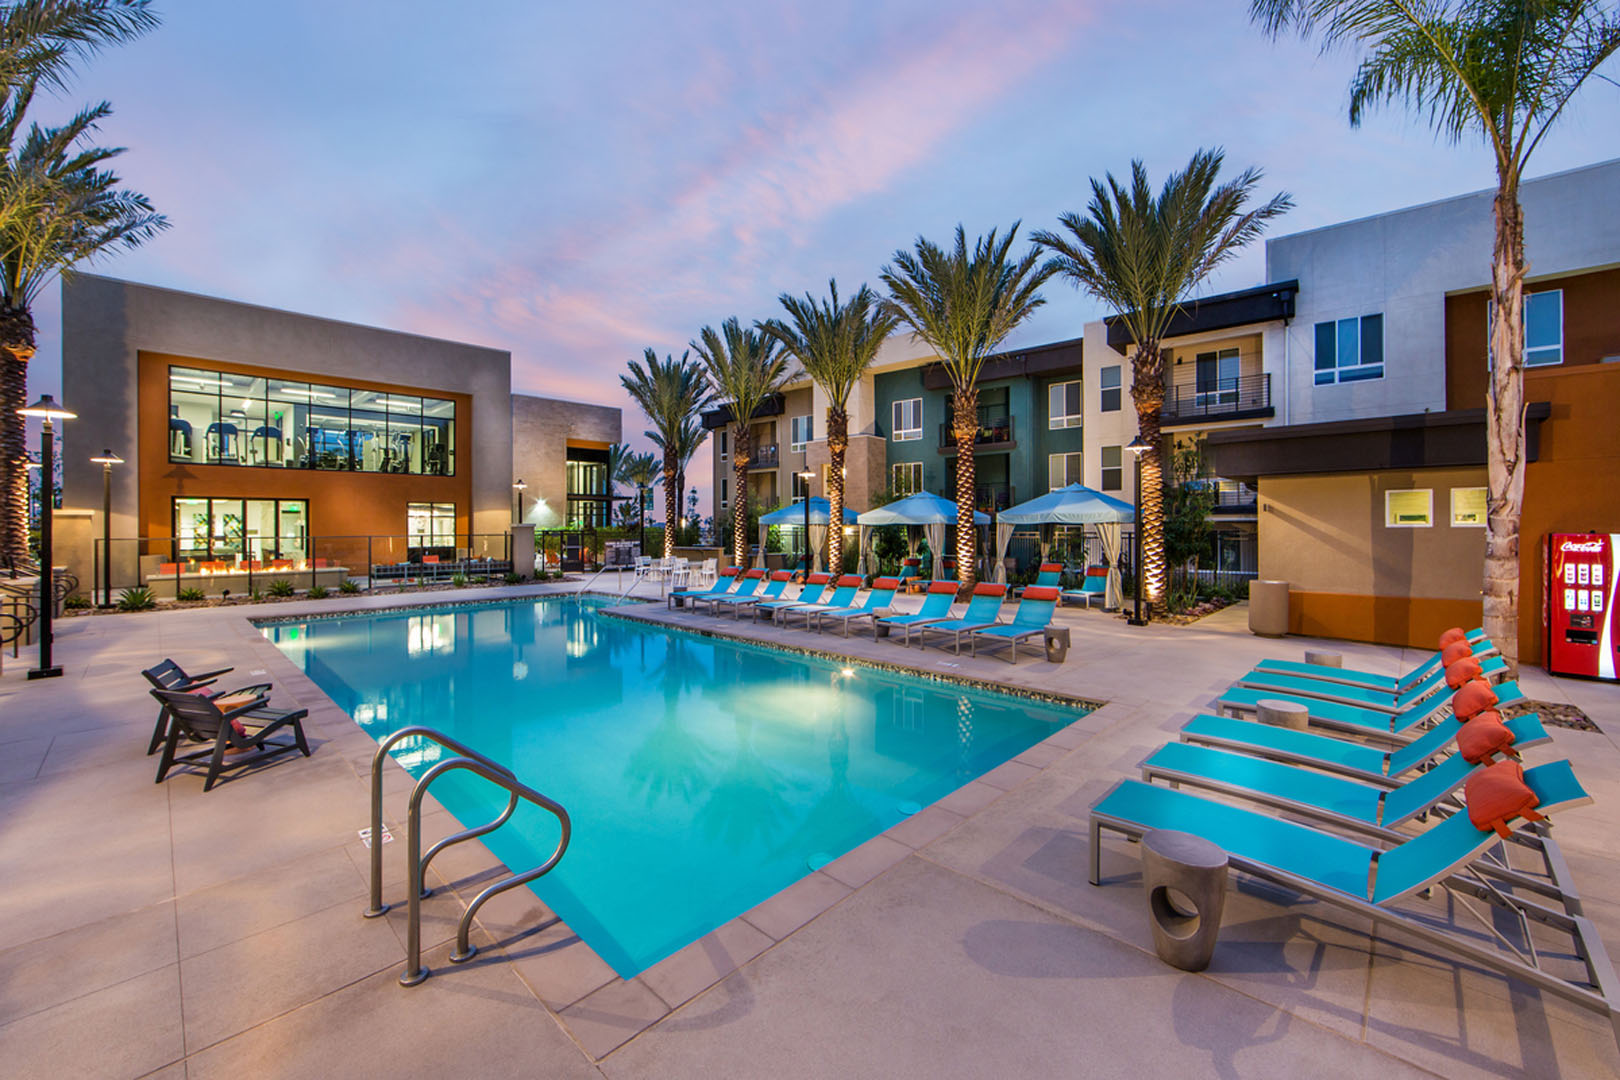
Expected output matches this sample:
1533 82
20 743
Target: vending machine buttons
1584 572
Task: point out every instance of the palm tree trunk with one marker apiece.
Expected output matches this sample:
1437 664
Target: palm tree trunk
16 349
1504 424
741 445
966 430
1147 394
837 445
672 505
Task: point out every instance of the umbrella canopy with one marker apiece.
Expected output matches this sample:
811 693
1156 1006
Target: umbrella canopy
923 508
1072 505
793 514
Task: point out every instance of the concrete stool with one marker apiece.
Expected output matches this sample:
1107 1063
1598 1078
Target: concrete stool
1324 658
1196 869
1288 714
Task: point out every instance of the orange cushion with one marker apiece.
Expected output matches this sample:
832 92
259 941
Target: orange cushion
1483 737
430 558
850 579
1051 567
781 575
886 583
1464 670
1457 650
818 579
1456 633
1040 592
1473 698
943 586
1496 794
986 588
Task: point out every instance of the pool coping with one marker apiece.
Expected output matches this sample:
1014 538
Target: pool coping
615 1010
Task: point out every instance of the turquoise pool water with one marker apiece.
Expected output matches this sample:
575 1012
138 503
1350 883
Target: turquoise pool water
702 776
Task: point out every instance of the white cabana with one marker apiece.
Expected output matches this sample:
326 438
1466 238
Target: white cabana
932 512
1073 505
791 515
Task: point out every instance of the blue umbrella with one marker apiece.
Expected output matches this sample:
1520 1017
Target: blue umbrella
1072 505
923 508
793 514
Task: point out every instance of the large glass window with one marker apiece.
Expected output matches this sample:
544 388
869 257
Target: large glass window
220 418
1217 377
431 524
1063 470
1108 380
801 434
1113 468
262 531
589 504
906 477
1350 350
1544 328
1063 405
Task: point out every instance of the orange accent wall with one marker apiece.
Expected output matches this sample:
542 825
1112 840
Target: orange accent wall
340 503
1389 620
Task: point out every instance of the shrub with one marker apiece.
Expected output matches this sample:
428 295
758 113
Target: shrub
139 598
254 595
513 579
348 587
316 592
458 579
191 594
281 588
76 602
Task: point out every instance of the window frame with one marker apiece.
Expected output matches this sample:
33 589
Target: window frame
914 471
1338 373
1559 347
1116 372
1105 468
1220 394
1480 524
796 445
1427 523
1070 476
1057 394
898 431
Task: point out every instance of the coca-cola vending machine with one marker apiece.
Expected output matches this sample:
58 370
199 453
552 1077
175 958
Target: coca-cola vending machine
1578 593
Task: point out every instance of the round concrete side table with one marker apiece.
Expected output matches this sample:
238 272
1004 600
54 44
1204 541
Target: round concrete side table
1288 714
1196 869
1324 658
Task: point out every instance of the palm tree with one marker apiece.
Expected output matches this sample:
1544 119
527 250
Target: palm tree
1502 72
626 466
835 344
59 205
963 304
1143 255
745 368
689 438
668 391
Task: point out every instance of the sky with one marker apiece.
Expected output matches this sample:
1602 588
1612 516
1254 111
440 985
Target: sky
579 182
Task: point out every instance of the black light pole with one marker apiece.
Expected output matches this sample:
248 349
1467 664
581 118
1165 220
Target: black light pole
1137 446
808 476
47 410
520 487
641 514
107 460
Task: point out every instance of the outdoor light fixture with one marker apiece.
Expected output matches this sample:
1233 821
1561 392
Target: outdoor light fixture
107 460
808 476
1137 446
47 410
520 487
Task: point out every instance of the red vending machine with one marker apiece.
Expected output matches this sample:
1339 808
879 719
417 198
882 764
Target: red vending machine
1579 626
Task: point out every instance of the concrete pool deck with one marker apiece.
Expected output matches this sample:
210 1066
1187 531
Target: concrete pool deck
152 930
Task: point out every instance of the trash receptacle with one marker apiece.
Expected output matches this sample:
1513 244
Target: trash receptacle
1268 608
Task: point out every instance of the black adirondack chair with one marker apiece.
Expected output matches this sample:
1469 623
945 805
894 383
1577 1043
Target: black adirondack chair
245 727
171 676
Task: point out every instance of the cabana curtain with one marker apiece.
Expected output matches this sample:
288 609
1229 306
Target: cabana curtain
868 538
818 538
1004 532
1108 533
934 533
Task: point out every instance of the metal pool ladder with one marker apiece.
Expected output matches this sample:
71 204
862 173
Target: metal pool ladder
495 773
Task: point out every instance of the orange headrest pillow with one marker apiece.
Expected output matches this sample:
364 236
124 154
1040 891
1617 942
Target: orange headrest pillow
1473 698
1457 650
1464 670
1498 793
1456 633
1483 737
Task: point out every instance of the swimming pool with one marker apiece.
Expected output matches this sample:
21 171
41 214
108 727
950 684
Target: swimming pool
702 775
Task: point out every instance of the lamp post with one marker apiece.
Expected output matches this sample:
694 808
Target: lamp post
107 460
1136 447
641 514
808 476
47 410
519 488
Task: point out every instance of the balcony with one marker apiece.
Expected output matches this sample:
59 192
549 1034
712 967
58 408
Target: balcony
995 432
1235 499
765 456
1246 397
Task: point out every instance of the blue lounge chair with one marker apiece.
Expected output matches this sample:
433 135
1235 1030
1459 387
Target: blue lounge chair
1379 700
981 612
842 597
736 602
1399 727
723 584
1371 680
1033 616
936 607
1050 576
1343 756
1381 883
910 571
812 593
878 601
1094 586
746 587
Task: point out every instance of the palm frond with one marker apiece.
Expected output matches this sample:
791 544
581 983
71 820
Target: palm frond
744 366
834 343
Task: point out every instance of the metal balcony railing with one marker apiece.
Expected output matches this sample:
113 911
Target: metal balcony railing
1218 398
765 456
995 429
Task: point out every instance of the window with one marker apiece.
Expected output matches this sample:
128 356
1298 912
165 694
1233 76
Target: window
801 486
1544 328
725 451
801 434
1468 508
1411 509
908 420
725 487
1113 468
1217 374
258 530
1109 379
1063 470
431 524
221 418
1063 405
1350 350
906 477
586 475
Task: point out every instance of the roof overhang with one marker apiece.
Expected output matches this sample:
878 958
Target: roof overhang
1262 304
775 405
1453 438
1058 358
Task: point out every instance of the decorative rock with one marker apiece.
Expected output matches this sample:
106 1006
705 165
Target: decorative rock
1196 869
1288 714
1324 658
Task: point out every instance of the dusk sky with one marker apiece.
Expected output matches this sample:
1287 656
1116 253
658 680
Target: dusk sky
577 182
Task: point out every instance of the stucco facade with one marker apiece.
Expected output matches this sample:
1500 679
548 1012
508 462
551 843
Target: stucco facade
544 431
